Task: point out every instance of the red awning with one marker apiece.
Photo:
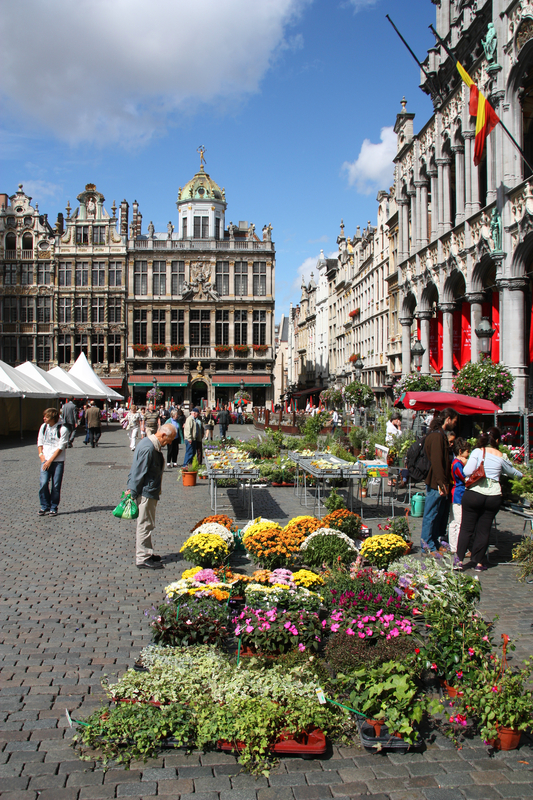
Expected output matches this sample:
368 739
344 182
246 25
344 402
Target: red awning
167 380
113 383
304 392
235 379
420 401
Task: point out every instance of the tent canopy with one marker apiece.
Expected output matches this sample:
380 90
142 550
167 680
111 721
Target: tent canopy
82 370
420 401
77 387
53 382
22 385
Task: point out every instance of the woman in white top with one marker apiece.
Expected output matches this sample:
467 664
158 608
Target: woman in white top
482 501
134 424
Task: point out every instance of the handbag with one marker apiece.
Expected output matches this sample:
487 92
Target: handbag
125 423
477 475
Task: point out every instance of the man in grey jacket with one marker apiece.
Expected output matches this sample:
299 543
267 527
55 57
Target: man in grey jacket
144 482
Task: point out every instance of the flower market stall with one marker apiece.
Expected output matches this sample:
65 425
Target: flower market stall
325 636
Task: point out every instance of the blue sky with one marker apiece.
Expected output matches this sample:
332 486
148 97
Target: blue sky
294 101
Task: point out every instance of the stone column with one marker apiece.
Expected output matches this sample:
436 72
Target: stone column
475 299
423 205
440 206
406 323
446 195
513 338
447 346
434 205
424 317
403 232
459 154
468 136
413 231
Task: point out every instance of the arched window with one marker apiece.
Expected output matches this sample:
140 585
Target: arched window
11 241
526 100
27 241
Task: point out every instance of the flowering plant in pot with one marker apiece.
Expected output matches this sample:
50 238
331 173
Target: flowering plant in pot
260 348
382 550
345 521
501 701
140 348
222 349
159 348
277 630
192 621
485 379
327 546
241 349
177 348
358 394
205 549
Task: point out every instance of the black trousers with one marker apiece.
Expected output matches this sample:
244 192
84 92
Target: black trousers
479 511
172 451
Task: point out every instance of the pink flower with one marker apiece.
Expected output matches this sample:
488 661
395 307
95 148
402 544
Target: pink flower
350 632
249 629
470 651
361 635
301 647
287 625
335 627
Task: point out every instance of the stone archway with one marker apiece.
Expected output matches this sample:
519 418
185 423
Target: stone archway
200 392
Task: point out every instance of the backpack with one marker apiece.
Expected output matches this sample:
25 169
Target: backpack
416 460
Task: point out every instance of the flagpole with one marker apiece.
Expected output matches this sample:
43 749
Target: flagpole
504 126
405 43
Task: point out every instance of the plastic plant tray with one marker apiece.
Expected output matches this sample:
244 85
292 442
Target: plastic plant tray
308 745
385 741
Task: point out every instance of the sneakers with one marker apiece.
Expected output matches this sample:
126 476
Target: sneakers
175 464
43 513
150 563
480 568
169 464
52 513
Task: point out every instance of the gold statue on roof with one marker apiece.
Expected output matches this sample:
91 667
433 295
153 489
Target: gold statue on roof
201 150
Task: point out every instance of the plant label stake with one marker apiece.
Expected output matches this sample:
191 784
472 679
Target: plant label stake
70 720
322 699
239 651
178 611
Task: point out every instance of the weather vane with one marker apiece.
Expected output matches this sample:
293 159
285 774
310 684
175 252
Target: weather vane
201 150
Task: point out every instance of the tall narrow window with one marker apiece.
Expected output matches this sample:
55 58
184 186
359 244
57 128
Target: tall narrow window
10 309
140 277
98 309
241 278
139 326
177 278
44 349
98 273
65 309
158 326
197 227
205 328
115 273
26 348
27 309
9 348
260 278
222 327
217 228
82 234
194 327
159 278
99 234
97 348
65 273
177 326
81 309
205 227
259 327
241 327
184 226
114 309
43 273
44 307
222 277
81 345
26 274
10 275
113 348
63 348
82 273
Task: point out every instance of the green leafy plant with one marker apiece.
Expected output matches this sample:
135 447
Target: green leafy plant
399 526
328 549
344 521
485 379
278 631
334 501
313 425
414 382
523 555
193 621
345 653
194 466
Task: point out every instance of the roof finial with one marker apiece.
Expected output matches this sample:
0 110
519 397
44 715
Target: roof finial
201 150
403 104
342 227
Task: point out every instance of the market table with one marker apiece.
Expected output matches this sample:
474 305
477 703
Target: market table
231 469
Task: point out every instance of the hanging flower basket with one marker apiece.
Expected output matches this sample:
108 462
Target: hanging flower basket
154 397
244 396
140 348
260 348
177 348
358 394
414 382
354 313
485 379
222 349
331 397
353 358
241 349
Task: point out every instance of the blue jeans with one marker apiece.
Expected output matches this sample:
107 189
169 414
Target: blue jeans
435 519
190 451
223 430
54 474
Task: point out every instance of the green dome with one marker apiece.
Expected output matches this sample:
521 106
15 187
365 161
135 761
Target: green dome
201 187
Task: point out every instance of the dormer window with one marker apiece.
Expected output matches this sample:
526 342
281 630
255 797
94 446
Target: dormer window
99 234
82 234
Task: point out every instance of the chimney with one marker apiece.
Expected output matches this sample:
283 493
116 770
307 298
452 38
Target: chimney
124 213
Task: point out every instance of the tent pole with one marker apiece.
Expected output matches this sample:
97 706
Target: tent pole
20 417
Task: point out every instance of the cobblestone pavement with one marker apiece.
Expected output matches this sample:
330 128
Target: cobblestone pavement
73 605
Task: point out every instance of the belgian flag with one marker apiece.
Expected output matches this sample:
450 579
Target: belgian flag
481 109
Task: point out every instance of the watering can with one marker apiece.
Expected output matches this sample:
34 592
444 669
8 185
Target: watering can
418 501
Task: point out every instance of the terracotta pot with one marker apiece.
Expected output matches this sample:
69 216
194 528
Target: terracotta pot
189 478
376 724
363 492
408 547
508 738
287 484
451 691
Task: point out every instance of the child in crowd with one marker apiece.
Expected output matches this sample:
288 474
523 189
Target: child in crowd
461 452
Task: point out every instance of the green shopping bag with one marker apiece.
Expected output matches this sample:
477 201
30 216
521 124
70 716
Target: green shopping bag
127 508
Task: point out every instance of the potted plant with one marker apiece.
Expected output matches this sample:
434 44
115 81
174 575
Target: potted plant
485 379
364 486
178 349
190 473
140 348
222 349
382 550
205 549
399 526
277 631
241 350
260 348
158 349
501 702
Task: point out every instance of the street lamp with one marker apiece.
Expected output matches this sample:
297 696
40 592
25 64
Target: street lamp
417 352
358 366
484 332
242 384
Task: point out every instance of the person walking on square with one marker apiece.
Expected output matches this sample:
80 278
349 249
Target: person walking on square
223 420
437 480
461 453
174 448
69 414
94 423
151 420
193 432
52 442
144 482
134 425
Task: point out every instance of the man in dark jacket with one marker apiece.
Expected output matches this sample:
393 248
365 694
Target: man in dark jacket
223 420
144 482
69 415
438 480
94 424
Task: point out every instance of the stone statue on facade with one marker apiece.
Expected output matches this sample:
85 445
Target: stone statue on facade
232 228
151 230
496 229
251 231
91 207
490 43
170 230
132 230
267 233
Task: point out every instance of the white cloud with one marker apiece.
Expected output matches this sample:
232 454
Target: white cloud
95 70
323 238
358 5
373 169
307 267
39 190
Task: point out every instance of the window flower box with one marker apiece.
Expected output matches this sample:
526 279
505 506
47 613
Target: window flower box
178 349
260 348
140 348
159 349
354 313
241 350
222 349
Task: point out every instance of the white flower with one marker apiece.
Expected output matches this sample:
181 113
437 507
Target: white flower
327 532
217 530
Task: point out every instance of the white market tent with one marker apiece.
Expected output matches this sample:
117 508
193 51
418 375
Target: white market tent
78 388
9 391
82 370
54 382
24 385
15 387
